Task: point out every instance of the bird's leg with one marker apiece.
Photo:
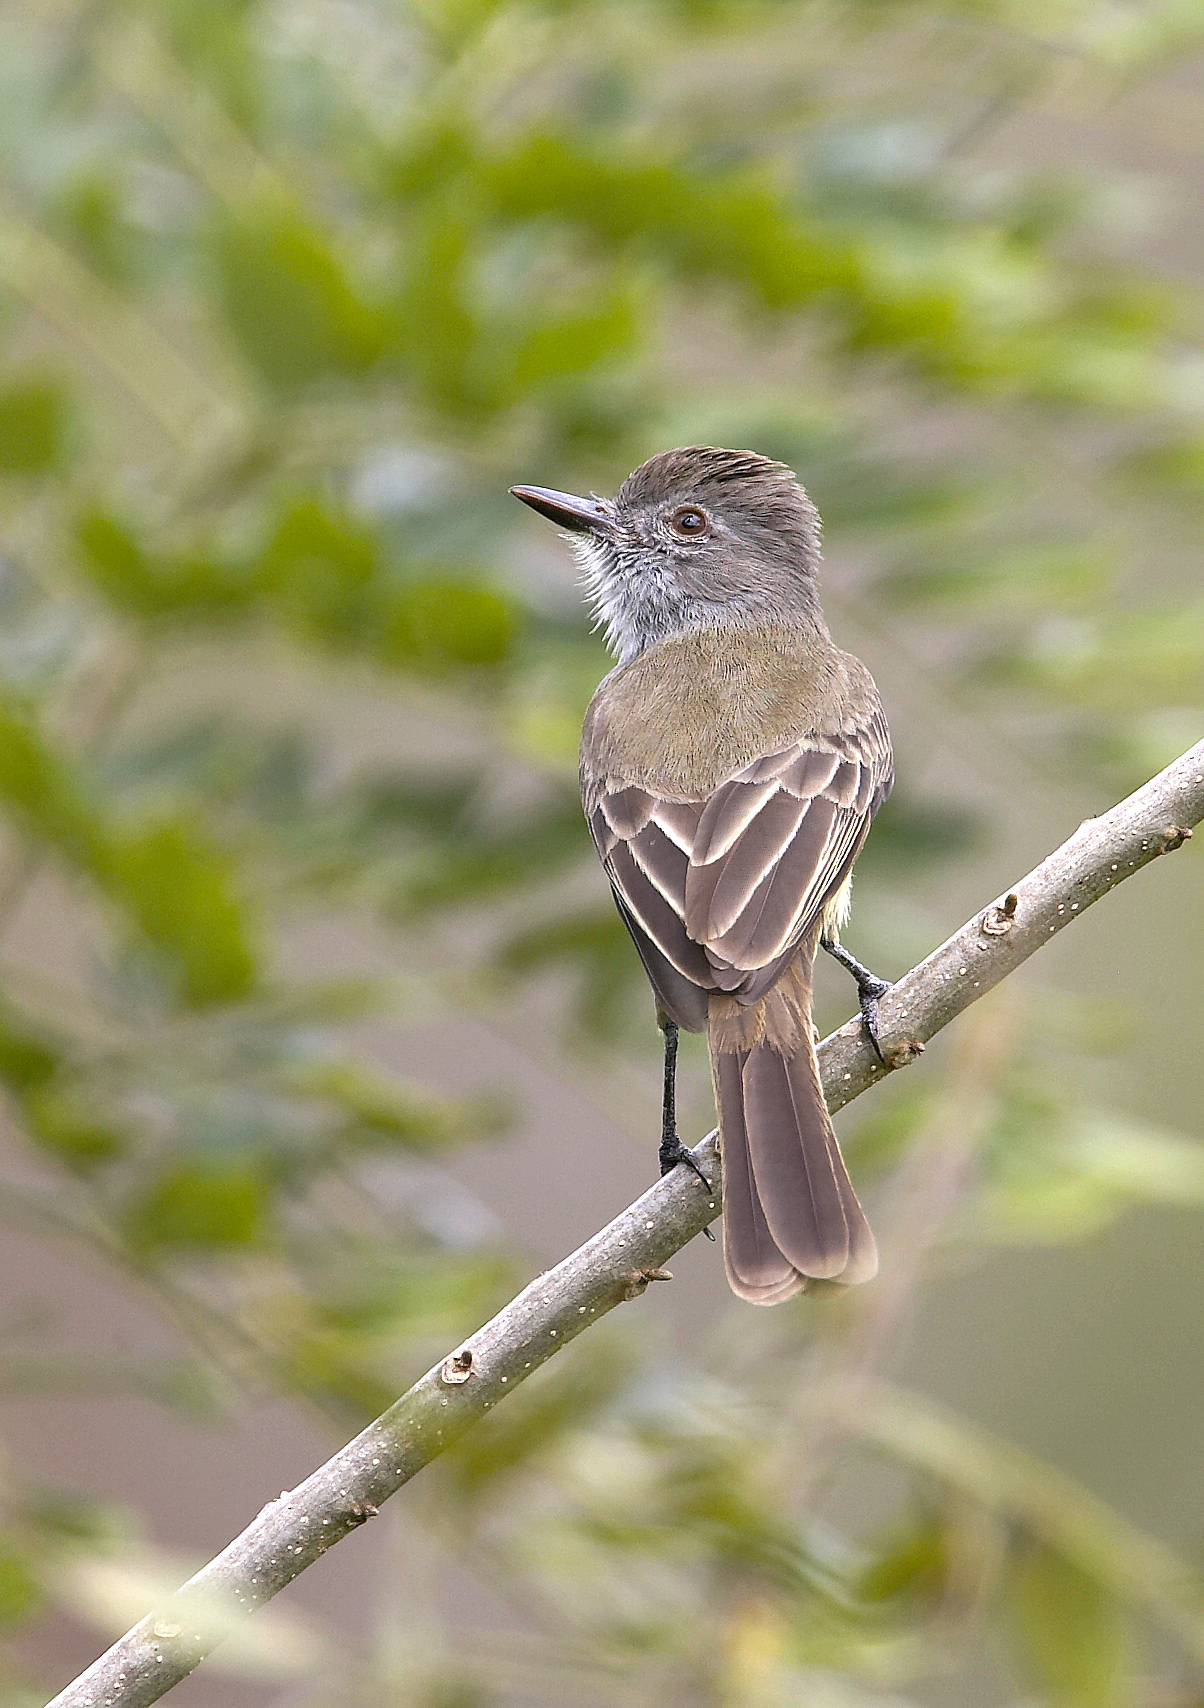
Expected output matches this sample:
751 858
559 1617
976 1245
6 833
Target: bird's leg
869 988
672 1150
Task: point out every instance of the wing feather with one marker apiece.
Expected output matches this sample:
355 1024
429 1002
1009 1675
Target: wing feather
809 772
724 888
769 923
846 781
627 811
751 860
770 767
656 917
730 810
679 821
663 863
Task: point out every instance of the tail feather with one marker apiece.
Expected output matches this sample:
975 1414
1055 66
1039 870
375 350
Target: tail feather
863 1247
789 1208
788 1127
756 1267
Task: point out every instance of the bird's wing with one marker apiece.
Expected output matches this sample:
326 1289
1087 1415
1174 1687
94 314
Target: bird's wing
725 888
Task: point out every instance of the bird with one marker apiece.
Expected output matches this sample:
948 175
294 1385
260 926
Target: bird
731 764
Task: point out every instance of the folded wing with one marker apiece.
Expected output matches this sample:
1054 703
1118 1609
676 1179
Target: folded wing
722 890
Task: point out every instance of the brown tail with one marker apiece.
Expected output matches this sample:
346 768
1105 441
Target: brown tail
789 1209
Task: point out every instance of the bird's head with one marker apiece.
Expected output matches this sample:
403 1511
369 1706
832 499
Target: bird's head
694 538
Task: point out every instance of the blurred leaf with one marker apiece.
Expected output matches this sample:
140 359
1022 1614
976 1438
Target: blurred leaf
882 1135
438 336
1070 1633
44 791
1125 747
469 867
573 343
971 305
1174 468
175 886
383 1105
911 833
28 1057
178 888
218 46
433 624
1057 1174
34 415
597 947
1131 660
319 570
65 1515
91 211
1047 577
1042 1502
857 491
729 225
289 300
62 1123
21 1594
186 1386
909 1567
201 1205
112 1592
193 587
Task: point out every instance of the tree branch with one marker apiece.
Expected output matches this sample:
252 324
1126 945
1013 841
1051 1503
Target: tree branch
620 1261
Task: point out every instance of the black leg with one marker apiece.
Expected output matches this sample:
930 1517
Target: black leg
672 1150
669 1138
869 988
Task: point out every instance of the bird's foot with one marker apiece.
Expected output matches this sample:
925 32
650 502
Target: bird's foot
867 1001
672 1152
870 988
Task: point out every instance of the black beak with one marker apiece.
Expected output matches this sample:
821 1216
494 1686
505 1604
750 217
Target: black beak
582 515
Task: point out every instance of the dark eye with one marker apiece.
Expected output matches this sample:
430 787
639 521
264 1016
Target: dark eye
688 521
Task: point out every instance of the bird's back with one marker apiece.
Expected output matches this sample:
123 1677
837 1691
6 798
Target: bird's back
692 711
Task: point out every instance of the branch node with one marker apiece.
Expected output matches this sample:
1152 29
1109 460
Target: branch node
901 1052
1174 836
635 1281
360 1511
999 918
457 1367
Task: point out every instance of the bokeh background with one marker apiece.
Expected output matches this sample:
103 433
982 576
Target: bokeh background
318 1034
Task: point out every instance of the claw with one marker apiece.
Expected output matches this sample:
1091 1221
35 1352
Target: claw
672 1152
869 988
867 1001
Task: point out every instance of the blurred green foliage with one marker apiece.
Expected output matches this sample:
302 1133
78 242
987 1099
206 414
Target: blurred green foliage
289 294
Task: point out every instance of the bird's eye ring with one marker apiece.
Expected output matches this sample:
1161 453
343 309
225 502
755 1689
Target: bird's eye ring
689 521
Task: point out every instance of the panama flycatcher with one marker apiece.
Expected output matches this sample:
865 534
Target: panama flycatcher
731 764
